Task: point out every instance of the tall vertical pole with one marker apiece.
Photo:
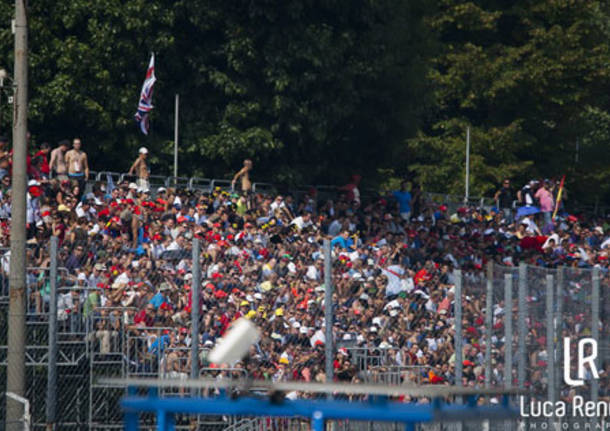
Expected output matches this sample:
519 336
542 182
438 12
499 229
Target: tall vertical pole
522 331
508 331
595 327
328 310
508 337
52 373
176 116
16 321
458 328
467 190
559 300
195 308
488 322
550 339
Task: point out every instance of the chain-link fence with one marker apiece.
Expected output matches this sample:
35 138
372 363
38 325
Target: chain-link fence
129 314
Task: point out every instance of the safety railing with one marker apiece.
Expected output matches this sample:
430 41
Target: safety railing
455 201
71 311
265 188
177 182
398 374
175 363
323 192
106 333
103 176
224 185
38 289
366 357
203 184
223 372
144 347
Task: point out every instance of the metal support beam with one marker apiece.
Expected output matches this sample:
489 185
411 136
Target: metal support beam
458 328
329 409
317 421
195 309
508 331
522 330
51 403
328 311
488 322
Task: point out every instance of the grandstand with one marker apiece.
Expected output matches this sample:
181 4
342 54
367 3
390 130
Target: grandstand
381 335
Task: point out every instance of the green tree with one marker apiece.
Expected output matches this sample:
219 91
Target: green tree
311 90
522 75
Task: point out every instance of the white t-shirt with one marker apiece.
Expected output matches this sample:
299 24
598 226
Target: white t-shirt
300 223
394 274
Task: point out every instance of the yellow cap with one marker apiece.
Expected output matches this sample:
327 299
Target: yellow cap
242 303
251 314
279 312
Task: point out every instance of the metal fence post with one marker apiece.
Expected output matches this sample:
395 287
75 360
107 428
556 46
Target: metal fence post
458 328
489 322
559 325
508 337
550 339
522 329
595 328
195 307
508 330
51 402
328 311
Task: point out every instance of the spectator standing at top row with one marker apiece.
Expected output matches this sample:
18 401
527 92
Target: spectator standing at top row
57 165
404 201
504 200
140 168
77 164
547 203
244 174
246 184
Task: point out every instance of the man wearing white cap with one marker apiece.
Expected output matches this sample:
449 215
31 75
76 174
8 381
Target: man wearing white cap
140 168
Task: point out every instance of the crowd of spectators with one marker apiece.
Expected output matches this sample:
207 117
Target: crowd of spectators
127 256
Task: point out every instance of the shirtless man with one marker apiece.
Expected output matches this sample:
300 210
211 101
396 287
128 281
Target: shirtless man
140 168
78 167
246 185
57 165
244 173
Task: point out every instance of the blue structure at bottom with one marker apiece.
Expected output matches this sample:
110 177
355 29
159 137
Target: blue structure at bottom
377 409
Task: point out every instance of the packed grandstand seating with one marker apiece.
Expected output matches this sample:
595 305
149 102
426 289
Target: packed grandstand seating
125 277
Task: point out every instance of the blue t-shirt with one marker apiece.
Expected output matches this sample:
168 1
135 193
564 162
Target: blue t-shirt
157 300
343 243
404 200
158 346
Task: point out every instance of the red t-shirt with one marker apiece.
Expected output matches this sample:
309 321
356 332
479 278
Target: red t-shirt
44 165
142 317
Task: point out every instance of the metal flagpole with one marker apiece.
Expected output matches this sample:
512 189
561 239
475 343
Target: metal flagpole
176 112
467 191
16 315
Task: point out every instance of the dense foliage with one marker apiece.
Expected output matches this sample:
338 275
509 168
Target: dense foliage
314 91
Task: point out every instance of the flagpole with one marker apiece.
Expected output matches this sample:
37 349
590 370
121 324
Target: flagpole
176 112
466 192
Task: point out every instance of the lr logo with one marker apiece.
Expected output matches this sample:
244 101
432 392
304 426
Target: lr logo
582 359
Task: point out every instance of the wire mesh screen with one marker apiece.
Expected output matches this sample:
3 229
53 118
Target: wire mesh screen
124 301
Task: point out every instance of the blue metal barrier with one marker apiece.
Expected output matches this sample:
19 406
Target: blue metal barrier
378 408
